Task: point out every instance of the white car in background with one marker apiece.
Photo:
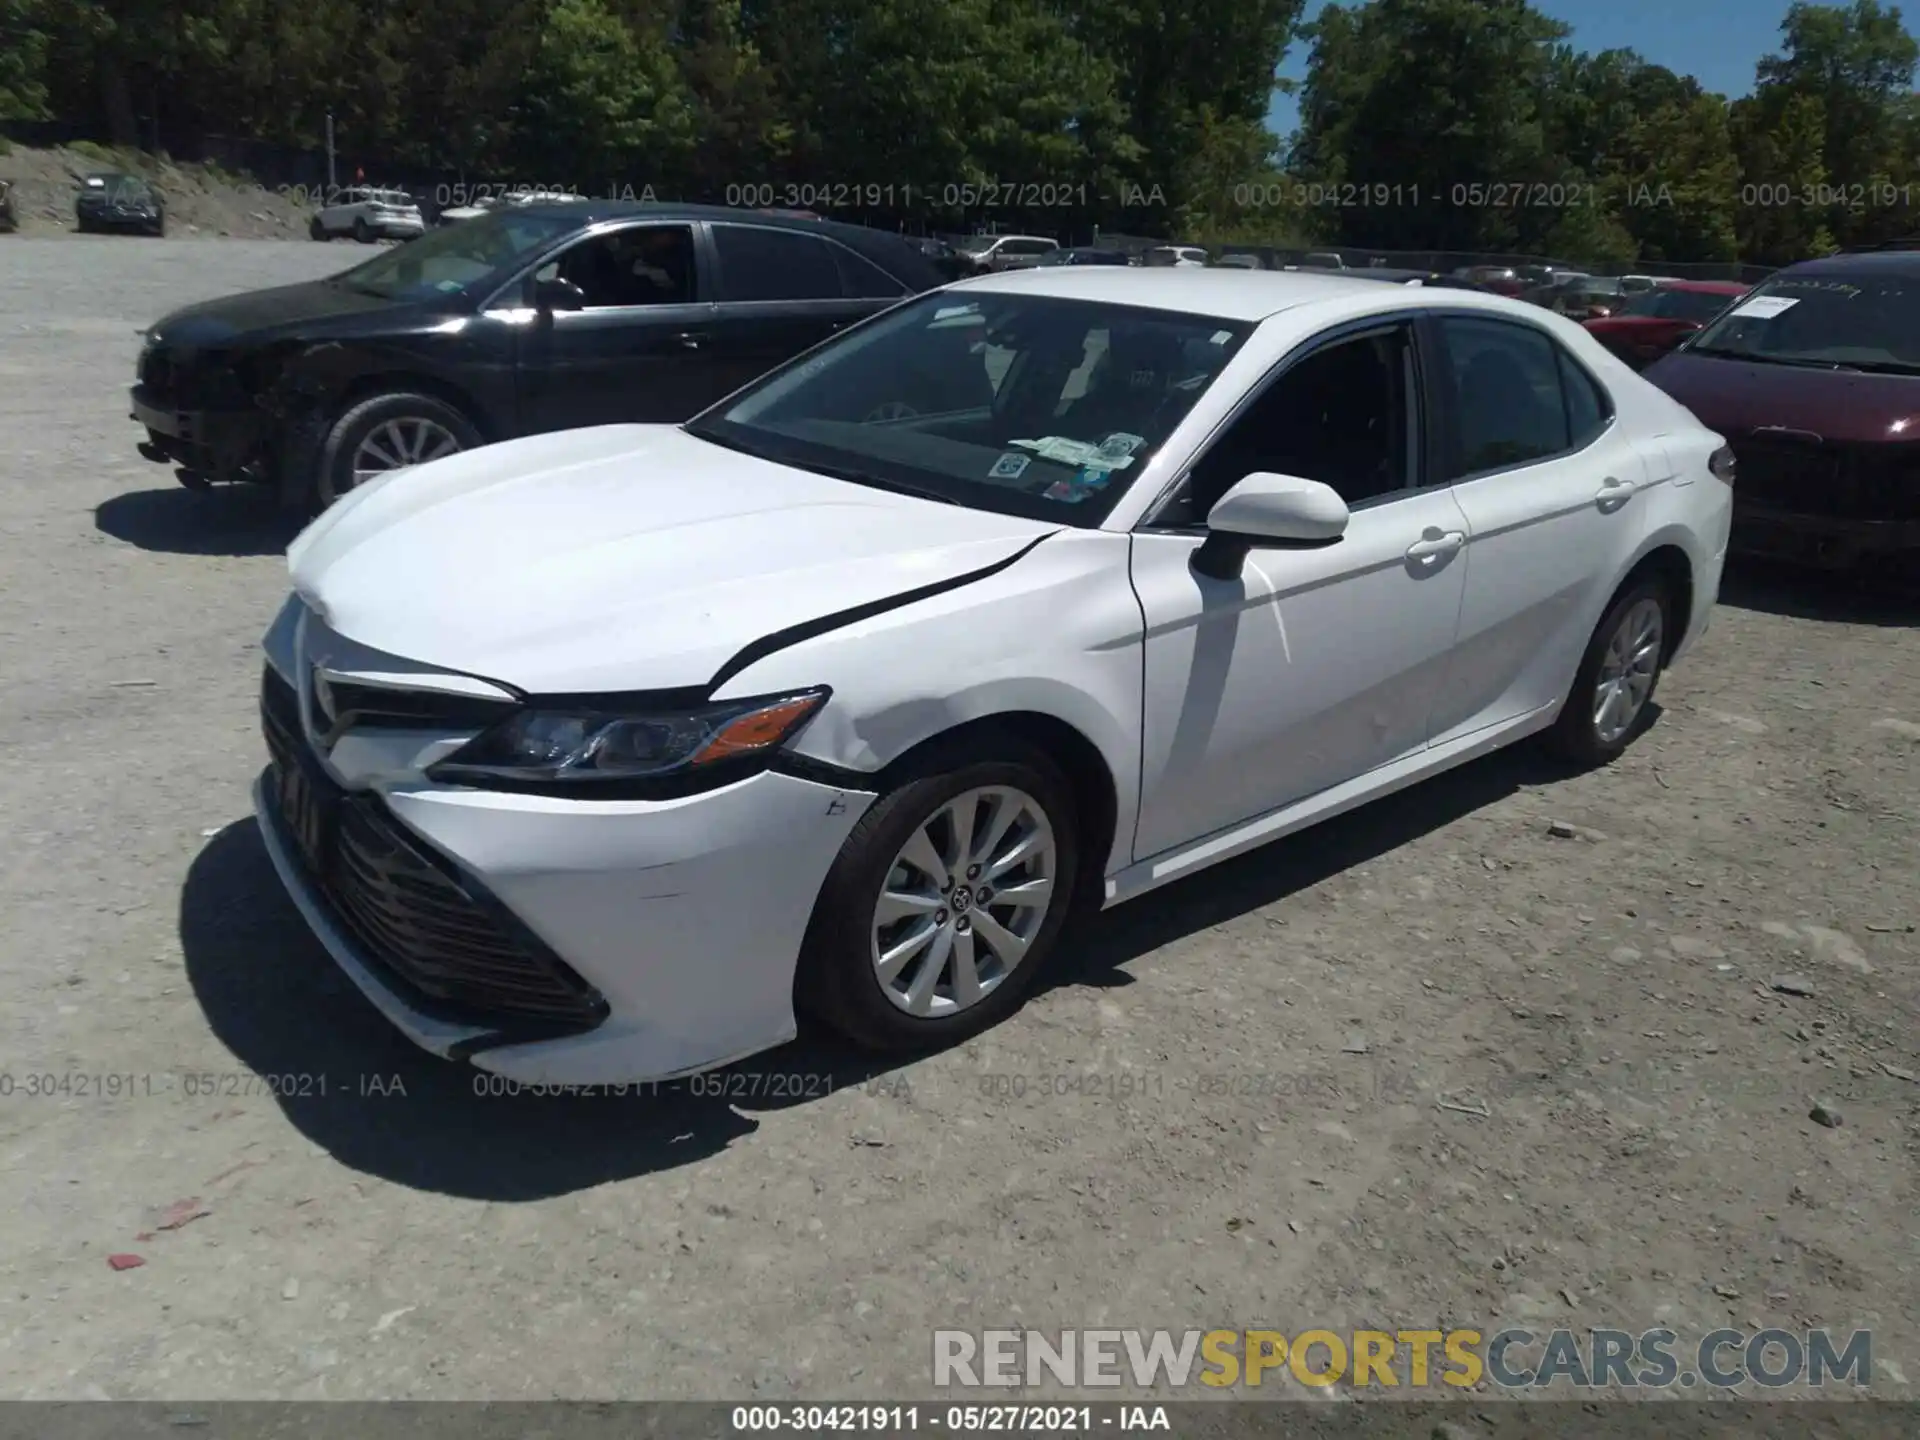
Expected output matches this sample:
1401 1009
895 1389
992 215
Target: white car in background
992 254
1175 257
368 214
487 204
597 754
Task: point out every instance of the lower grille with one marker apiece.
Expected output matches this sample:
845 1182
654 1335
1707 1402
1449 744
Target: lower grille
454 949
1804 479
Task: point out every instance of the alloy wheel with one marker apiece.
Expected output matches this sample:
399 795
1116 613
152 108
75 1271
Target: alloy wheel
397 443
1628 667
963 901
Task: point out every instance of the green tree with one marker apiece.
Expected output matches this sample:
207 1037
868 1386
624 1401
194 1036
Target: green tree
1858 62
1443 98
601 98
1681 181
1780 143
24 46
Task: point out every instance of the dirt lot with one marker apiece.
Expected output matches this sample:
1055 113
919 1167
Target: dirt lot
1645 1155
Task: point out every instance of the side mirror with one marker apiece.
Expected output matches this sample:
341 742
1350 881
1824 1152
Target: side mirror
557 294
1268 509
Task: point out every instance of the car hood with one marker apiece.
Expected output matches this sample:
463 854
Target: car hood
270 312
631 557
1737 397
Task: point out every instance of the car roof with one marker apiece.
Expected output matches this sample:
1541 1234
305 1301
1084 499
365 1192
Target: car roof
1244 295
897 254
1903 263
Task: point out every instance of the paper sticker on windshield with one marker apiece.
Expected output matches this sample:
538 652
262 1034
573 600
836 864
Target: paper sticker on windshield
954 312
1221 337
1064 451
1009 467
1119 445
1766 307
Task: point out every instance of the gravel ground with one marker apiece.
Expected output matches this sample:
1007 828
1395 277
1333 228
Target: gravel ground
1645 1155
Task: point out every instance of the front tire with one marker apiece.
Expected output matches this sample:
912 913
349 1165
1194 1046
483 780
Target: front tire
1607 706
391 431
945 902
362 231
317 231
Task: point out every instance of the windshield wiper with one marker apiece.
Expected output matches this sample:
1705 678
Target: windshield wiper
1760 358
1884 367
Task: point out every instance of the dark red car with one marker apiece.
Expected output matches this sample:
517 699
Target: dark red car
1654 321
1814 380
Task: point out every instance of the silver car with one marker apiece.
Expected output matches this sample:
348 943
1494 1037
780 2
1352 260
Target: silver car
1007 252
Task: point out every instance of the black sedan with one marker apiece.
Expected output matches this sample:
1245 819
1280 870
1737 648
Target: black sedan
119 202
533 318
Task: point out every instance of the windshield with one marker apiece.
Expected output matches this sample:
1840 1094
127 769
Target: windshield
1858 320
979 244
453 260
1698 306
1022 404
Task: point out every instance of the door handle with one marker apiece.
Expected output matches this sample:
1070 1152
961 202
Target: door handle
1614 493
1436 546
687 340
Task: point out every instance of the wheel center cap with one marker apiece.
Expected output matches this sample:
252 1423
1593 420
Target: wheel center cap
962 899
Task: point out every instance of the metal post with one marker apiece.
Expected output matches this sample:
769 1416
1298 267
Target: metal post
331 186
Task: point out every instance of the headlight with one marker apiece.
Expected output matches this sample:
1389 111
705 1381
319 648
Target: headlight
567 746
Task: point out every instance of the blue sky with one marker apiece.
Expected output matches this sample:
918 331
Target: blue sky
1718 42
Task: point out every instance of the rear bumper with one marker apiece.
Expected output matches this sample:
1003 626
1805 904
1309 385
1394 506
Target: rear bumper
1818 541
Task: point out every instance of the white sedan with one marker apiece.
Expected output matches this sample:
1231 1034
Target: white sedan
599 754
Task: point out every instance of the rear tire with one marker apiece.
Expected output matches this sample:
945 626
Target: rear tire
317 231
840 979
362 231
387 425
1606 709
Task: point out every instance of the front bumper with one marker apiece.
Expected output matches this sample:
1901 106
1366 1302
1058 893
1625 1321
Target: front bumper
684 917
219 442
118 219
1818 541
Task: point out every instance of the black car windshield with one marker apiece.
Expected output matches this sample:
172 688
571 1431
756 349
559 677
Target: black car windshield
120 188
1023 404
1859 320
453 260
1695 305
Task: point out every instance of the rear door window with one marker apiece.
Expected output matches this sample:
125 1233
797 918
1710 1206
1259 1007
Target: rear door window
759 263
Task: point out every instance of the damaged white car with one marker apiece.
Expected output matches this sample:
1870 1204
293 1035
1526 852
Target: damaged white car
596 755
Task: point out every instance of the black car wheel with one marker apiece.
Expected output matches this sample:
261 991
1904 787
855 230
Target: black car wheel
362 231
158 228
945 900
82 225
1607 706
317 231
394 431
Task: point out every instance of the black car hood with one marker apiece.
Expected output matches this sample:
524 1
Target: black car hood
317 307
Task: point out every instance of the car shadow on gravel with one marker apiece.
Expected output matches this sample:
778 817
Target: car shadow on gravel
352 1084
1816 595
1285 867
227 520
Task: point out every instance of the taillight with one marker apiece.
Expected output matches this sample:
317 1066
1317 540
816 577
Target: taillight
1723 465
